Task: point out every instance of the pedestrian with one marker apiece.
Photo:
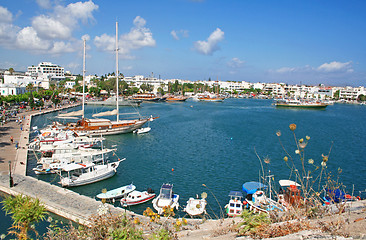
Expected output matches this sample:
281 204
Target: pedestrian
11 139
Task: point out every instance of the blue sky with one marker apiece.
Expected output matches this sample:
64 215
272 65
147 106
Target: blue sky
308 42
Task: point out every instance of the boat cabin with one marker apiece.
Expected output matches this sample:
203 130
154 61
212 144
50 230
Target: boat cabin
289 193
166 191
235 206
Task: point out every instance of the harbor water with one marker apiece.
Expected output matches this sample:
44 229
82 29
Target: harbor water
217 143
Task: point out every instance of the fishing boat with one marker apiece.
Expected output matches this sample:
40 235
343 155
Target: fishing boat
111 101
289 194
166 198
235 206
196 206
76 174
295 103
97 127
137 197
117 193
256 199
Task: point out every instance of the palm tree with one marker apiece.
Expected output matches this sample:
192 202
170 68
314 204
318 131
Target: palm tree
25 211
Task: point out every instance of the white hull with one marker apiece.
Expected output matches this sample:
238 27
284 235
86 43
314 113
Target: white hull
159 204
195 207
137 197
99 173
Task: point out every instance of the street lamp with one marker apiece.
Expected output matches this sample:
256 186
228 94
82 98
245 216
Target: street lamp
11 181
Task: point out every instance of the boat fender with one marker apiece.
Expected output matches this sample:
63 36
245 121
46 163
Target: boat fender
245 202
358 197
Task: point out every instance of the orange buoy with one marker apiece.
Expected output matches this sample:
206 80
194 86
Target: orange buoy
172 169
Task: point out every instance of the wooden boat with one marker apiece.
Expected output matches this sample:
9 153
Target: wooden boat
97 127
289 194
235 206
76 174
148 97
196 206
117 193
137 197
172 98
211 98
295 103
166 198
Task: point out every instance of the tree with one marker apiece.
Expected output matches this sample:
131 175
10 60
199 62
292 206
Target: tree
29 87
361 98
11 70
25 212
336 94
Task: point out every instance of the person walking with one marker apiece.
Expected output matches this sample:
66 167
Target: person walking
11 139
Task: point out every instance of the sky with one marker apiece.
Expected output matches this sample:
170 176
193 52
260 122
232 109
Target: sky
285 41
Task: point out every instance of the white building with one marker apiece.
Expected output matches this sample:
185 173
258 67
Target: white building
24 80
47 70
350 93
11 89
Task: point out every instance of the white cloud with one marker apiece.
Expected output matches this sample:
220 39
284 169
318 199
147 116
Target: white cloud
49 33
44 3
50 28
211 45
27 38
336 67
235 63
5 15
138 37
175 34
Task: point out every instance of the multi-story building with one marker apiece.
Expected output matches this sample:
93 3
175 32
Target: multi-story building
47 70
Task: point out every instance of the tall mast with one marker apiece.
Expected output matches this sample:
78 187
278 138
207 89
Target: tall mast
84 79
117 73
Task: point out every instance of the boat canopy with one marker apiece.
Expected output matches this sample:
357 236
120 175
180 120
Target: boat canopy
235 194
287 183
71 114
73 166
252 187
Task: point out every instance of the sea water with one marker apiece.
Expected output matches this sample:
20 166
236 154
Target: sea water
222 145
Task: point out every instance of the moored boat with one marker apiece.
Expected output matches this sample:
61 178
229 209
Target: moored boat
76 174
137 197
166 198
173 98
235 206
196 206
117 192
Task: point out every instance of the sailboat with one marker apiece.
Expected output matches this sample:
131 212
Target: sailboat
97 127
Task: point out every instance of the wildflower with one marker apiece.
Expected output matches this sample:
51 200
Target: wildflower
102 210
307 138
137 221
178 222
3 236
323 164
339 170
267 160
325 158
278 133
49 219
311 161
293 127
285 158
184 221
297 151
301 140
302 144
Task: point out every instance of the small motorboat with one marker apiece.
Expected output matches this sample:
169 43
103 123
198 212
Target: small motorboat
166 198
137 197
235 206
117 193
196 207
142 130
